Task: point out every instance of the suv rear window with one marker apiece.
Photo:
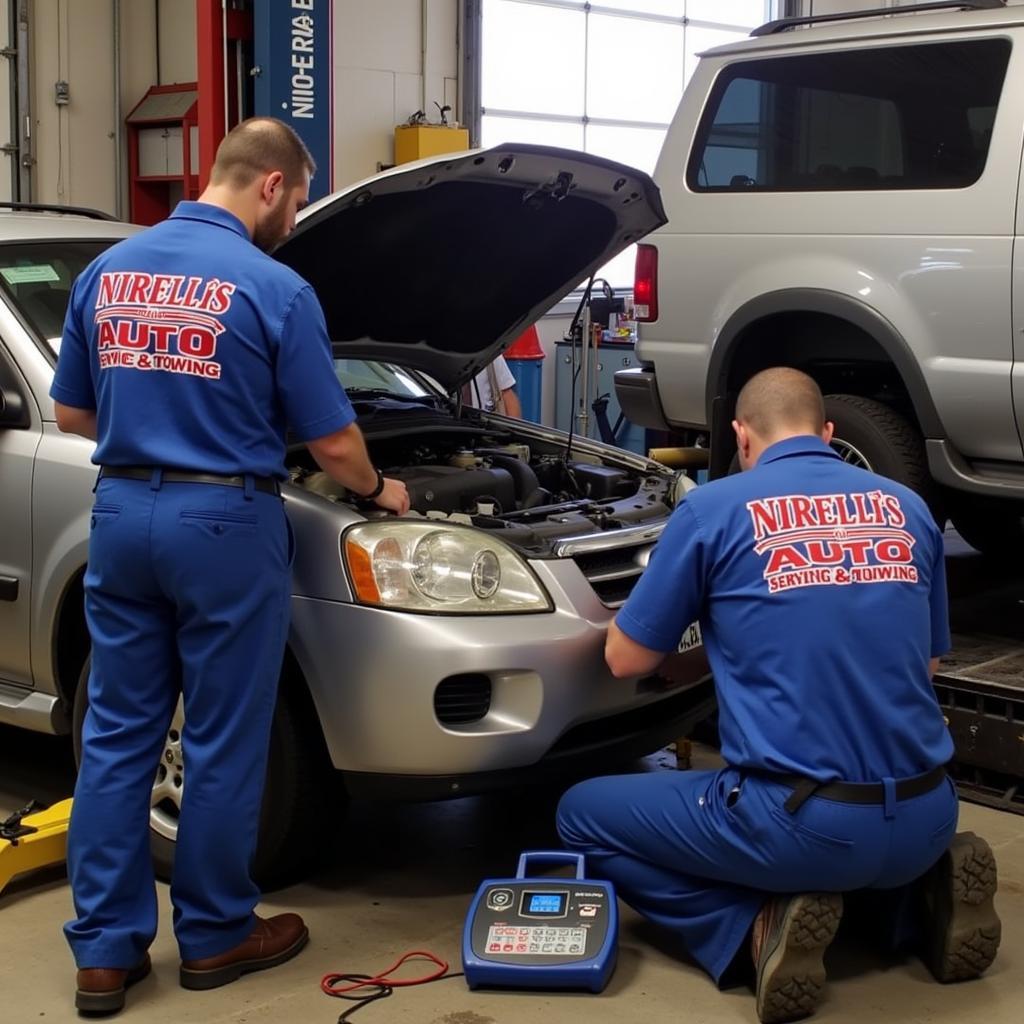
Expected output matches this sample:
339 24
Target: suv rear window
36 279
897 117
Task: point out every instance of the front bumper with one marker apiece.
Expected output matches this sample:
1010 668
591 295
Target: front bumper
373 673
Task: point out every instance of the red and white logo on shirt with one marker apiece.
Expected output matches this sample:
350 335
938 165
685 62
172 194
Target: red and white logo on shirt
832 540
166 322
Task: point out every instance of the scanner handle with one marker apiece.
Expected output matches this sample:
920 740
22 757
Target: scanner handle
549 857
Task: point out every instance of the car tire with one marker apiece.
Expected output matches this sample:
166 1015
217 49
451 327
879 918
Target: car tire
293 832
993 528
875 437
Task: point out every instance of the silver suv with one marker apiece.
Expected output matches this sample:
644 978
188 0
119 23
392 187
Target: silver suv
454 649
845 195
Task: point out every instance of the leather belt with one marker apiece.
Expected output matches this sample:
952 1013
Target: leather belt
264 484
855 792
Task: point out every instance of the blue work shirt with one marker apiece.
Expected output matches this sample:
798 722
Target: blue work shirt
198 351
821 593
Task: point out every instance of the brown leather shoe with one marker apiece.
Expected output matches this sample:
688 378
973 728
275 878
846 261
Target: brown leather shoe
101 989
273 941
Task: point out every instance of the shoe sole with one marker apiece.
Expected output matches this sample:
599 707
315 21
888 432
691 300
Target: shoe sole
111 1001
791 980
964 929
201 981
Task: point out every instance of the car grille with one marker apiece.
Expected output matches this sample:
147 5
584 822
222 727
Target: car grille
462 699
613 573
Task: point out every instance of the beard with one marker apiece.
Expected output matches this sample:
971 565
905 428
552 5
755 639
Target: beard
272 231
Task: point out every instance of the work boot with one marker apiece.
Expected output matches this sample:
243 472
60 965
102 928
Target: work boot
101 989
272 941
791 934
961 927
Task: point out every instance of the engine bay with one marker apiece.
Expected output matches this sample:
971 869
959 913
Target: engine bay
525 488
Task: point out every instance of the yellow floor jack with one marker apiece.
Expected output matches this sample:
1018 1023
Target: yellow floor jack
32 838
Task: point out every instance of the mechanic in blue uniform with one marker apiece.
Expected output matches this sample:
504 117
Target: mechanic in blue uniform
187 352
820 591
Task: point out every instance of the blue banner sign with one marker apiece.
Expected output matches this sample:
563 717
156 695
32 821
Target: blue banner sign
293 56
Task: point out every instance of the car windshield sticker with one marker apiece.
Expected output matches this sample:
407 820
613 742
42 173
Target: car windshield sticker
30 274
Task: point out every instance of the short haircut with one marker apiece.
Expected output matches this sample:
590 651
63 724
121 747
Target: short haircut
781 399
261 145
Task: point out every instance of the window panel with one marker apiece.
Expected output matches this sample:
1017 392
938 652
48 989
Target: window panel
620 271
533 58
638 147
672 8
729 12
635 69
495 131
548 60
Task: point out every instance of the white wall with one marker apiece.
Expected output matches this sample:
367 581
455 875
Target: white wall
6 127
177 39
73 40
379 75
379 81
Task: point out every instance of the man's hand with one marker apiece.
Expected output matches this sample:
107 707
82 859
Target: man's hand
627 658
394 497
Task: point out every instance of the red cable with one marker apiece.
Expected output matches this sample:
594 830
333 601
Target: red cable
328 982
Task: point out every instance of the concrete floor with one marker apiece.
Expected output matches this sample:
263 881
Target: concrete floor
403 879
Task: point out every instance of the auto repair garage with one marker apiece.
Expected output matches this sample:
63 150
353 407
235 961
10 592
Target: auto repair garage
511 509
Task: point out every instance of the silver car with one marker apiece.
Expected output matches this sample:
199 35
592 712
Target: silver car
452 650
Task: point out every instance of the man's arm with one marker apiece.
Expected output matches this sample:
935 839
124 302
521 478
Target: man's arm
625 657
71 420
343 457
512 405
665 601
933 667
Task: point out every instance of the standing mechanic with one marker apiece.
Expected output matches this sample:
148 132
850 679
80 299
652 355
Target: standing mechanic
820 590
493 389
186 353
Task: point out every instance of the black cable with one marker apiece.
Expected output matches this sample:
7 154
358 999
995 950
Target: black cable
584 299
382 991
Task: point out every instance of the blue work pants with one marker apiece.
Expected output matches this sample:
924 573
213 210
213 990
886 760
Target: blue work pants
186 592
699 852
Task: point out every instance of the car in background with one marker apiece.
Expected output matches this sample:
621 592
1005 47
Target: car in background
453 650
845 195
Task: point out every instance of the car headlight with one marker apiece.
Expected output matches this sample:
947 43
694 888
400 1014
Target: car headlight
427 567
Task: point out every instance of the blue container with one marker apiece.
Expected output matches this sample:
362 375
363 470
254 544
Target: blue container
528 373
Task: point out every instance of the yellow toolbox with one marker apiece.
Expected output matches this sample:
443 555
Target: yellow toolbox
33 838
418 141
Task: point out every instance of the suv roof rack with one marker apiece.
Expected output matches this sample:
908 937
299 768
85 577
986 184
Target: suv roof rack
81 211
785 24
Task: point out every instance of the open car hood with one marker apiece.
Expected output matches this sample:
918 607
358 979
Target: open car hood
441 264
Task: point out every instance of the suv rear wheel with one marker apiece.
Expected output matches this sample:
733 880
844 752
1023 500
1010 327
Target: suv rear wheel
872 436
297 784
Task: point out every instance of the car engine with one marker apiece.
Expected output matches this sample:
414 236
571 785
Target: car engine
531 493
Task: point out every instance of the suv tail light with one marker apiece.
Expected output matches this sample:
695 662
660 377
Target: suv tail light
645 284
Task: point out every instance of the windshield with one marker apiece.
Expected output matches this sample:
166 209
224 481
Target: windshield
369 377
36 279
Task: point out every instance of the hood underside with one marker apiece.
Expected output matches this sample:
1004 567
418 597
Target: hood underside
441 264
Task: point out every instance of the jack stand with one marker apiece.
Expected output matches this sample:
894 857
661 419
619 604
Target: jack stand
33 838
